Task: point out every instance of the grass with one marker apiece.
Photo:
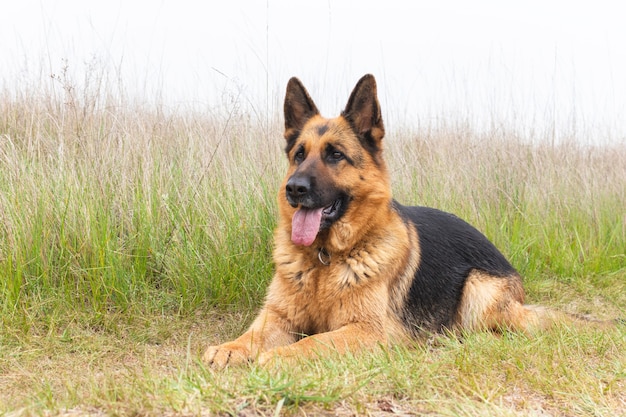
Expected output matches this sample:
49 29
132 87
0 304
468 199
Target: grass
124 371
133 237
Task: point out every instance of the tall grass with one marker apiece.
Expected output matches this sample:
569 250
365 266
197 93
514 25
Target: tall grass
118 207
555 210
108 206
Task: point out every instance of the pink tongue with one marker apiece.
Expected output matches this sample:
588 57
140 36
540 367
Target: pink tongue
304 226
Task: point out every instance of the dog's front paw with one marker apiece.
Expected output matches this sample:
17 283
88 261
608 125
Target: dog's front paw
266 358
231 353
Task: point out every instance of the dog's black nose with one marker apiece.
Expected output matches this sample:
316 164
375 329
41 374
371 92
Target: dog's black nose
297 187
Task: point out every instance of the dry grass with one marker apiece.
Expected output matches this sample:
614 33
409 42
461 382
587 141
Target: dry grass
152 370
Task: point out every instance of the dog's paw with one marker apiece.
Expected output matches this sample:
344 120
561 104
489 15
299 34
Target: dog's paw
231 353
266 358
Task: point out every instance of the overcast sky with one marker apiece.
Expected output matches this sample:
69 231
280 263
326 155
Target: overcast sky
511 63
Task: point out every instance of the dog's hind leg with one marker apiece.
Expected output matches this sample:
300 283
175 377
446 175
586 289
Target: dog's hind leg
491 302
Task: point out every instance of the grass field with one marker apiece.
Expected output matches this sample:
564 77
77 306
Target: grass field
133 236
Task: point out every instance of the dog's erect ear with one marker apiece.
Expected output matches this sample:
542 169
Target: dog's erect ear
299 108
363 111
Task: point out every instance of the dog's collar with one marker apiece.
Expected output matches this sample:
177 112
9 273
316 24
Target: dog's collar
323 256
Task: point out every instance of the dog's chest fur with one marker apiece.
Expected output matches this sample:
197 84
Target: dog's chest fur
321 292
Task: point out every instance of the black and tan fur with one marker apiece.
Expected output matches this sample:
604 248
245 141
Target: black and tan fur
376 271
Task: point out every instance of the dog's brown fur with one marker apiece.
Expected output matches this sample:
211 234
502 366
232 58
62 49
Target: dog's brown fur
376 274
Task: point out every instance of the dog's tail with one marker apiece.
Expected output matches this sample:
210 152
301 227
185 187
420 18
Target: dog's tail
540 318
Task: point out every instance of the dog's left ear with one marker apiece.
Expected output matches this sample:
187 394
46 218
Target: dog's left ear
363 111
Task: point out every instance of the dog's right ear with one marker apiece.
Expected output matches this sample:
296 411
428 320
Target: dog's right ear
299 108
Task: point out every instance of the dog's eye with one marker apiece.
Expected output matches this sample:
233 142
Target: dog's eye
299 156
335 156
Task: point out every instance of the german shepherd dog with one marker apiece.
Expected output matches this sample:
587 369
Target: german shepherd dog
356 269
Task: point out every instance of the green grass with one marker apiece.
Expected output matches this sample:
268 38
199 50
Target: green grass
131 238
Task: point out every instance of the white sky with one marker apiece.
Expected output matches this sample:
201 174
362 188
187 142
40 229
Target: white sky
519 64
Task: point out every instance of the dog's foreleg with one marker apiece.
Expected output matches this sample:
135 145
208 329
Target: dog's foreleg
352 337
268 331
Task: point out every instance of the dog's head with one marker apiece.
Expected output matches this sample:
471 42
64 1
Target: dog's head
337 176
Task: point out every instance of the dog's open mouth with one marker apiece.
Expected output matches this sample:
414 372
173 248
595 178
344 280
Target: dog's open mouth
329 212
307 222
